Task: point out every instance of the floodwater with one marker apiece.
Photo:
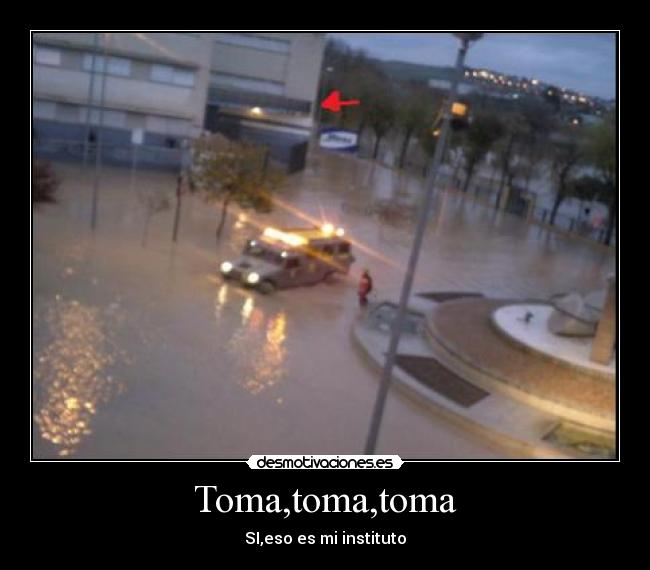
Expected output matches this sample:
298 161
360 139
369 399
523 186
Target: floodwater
141 351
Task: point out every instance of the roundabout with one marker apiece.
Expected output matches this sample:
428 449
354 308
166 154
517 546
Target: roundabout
494 367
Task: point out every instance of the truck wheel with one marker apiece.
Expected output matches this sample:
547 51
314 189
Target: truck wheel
266 287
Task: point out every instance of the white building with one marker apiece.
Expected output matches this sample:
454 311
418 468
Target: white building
167 87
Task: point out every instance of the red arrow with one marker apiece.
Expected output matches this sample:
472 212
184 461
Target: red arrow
333 102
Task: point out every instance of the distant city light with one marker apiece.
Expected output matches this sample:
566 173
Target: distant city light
525 84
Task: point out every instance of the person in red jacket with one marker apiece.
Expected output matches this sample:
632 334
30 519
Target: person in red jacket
365 287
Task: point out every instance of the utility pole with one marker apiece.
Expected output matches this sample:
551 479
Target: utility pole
98 152
384 385
91 87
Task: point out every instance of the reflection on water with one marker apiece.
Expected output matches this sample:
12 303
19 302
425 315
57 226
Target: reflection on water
267 366
220 301
259 369
71 380
263 369
247 309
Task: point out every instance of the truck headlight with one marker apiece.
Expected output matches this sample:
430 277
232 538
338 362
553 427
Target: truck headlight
226 267
252 278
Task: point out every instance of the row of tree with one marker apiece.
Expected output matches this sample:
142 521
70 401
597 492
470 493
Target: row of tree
523 136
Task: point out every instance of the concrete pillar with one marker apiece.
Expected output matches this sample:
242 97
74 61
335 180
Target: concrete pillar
602 349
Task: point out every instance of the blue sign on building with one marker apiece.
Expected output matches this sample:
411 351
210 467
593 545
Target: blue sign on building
340 140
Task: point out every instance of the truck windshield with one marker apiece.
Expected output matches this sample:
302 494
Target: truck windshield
260 252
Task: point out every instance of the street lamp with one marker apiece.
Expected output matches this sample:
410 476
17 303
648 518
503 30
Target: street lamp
100 128
465 39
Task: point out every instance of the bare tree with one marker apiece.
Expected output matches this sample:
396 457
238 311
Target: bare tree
600 149
381 115
480 137
418 106
566 153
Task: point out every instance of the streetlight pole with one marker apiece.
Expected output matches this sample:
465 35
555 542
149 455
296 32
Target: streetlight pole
91 87
398 323
98 150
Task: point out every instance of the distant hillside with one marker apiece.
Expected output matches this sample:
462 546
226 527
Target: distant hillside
404 71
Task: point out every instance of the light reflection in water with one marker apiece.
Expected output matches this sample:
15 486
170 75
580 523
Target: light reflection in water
71 381
220 301
247 309
261 369
267 366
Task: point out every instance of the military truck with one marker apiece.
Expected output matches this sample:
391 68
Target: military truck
283 258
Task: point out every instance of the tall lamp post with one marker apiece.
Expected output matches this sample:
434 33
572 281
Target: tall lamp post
98 146
91 88
465 39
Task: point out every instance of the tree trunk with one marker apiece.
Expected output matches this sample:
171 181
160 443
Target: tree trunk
177 213
405 146
375 152
362 127
559 198
222 222
454 179
468 176
492 177
611 220
502 183
505 170
561 192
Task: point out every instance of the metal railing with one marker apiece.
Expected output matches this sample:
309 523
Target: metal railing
112 154
573 225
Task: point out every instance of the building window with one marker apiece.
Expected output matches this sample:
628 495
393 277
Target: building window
44 109
109 118
168 126
256 42
115 65
172 75
228 81
47 56
67 113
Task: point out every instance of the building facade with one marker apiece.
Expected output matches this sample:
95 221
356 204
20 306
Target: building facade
263 87
158 90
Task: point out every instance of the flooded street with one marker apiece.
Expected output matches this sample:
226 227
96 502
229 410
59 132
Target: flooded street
144 352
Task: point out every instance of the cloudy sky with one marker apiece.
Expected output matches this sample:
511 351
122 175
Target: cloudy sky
585 62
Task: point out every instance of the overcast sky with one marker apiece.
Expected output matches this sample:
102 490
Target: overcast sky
585 62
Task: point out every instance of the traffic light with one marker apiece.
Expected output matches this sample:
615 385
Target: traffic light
459 118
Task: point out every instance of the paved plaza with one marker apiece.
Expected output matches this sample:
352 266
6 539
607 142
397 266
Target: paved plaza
143 352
